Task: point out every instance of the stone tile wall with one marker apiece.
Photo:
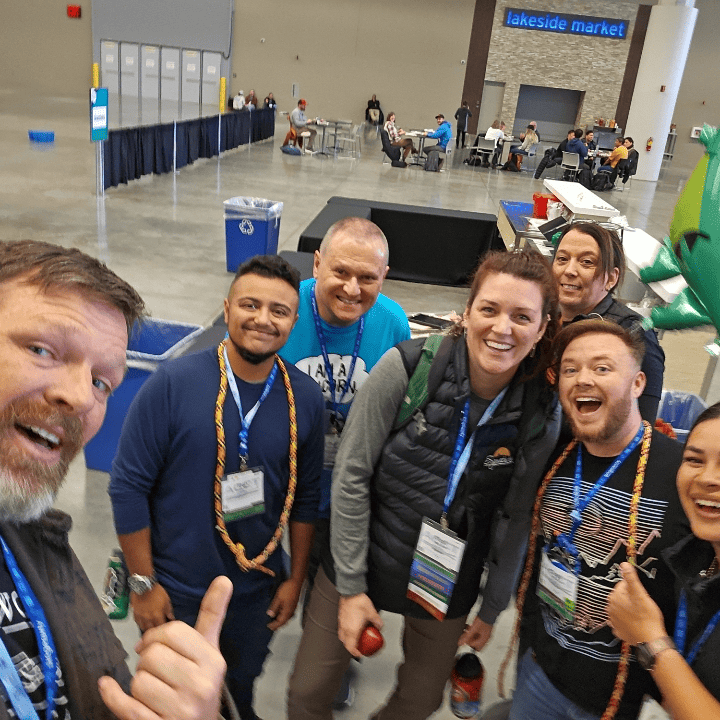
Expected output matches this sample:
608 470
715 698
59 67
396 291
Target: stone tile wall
531 57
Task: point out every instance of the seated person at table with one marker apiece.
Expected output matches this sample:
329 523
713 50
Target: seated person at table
529 138
576 145
373 113
684 668
591 145
553 156
443 135
628 167
619 153
394 134
251 101
590 141
301 124
239 101
495 132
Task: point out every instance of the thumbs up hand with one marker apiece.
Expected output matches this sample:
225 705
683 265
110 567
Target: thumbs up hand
632 614
180 671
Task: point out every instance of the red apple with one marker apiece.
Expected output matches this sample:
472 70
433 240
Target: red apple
370 641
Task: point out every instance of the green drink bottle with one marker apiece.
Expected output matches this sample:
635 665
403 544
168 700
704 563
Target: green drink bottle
116 594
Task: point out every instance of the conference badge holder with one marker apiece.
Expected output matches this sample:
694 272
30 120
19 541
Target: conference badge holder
243 494
436 563
558 582
332 440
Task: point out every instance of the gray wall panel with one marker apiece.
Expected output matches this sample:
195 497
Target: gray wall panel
180 23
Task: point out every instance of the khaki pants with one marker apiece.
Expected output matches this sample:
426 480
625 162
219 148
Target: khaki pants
429 648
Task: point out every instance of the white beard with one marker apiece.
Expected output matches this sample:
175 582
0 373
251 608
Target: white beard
16 504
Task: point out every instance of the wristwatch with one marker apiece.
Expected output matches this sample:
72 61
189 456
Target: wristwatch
647 652
140 584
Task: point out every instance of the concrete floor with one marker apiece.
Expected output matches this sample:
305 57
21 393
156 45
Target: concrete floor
165 235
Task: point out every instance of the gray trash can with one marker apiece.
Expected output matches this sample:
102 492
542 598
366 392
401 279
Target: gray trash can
252 227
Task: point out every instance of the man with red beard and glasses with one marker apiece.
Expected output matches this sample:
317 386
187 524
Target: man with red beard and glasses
608 497
64 323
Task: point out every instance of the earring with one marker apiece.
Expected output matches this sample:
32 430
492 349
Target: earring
532 352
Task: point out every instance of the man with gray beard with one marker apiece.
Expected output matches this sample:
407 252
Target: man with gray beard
64 325
609 497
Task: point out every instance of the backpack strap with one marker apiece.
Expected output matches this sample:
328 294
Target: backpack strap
426 376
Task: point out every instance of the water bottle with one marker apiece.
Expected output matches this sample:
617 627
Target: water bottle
466 685
115 596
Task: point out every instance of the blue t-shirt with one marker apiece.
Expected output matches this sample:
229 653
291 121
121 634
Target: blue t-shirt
163 474
385 326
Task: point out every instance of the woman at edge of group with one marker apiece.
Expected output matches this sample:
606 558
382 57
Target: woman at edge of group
387 479
394 135
686 669
589 264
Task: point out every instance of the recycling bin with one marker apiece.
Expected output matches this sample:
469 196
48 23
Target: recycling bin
252 227
152 342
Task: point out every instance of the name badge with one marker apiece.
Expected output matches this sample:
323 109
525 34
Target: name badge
332 443
435 567
243 494
557 584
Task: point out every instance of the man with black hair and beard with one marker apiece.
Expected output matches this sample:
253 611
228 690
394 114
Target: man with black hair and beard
219 451
607 498
64 324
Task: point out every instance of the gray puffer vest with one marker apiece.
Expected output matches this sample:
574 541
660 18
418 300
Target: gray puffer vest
411 478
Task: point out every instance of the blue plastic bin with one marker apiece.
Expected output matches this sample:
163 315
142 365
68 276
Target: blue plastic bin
680 409
151 342
41 136
252 227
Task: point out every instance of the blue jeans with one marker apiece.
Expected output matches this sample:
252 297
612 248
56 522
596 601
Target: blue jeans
244 641
536 698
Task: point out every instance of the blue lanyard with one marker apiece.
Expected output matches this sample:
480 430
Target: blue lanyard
461 454
246 420
326 358
48 655
681 630
580 503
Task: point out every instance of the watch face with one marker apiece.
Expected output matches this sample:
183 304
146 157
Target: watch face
139 584
645 656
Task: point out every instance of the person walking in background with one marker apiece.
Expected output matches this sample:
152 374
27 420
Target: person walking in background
462 115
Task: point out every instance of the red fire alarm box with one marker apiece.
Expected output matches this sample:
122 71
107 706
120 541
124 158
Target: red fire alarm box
74 11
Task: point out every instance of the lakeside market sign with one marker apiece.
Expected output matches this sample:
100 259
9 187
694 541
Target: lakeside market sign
566 24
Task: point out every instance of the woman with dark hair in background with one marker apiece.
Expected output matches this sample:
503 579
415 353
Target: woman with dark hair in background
589 264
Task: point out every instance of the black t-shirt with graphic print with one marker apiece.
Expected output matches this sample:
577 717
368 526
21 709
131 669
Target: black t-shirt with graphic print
17 634
581 657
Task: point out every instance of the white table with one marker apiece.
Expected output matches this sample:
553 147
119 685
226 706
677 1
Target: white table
583 204
325 124
420 136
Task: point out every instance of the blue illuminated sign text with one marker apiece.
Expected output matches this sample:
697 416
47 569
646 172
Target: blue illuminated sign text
566 24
